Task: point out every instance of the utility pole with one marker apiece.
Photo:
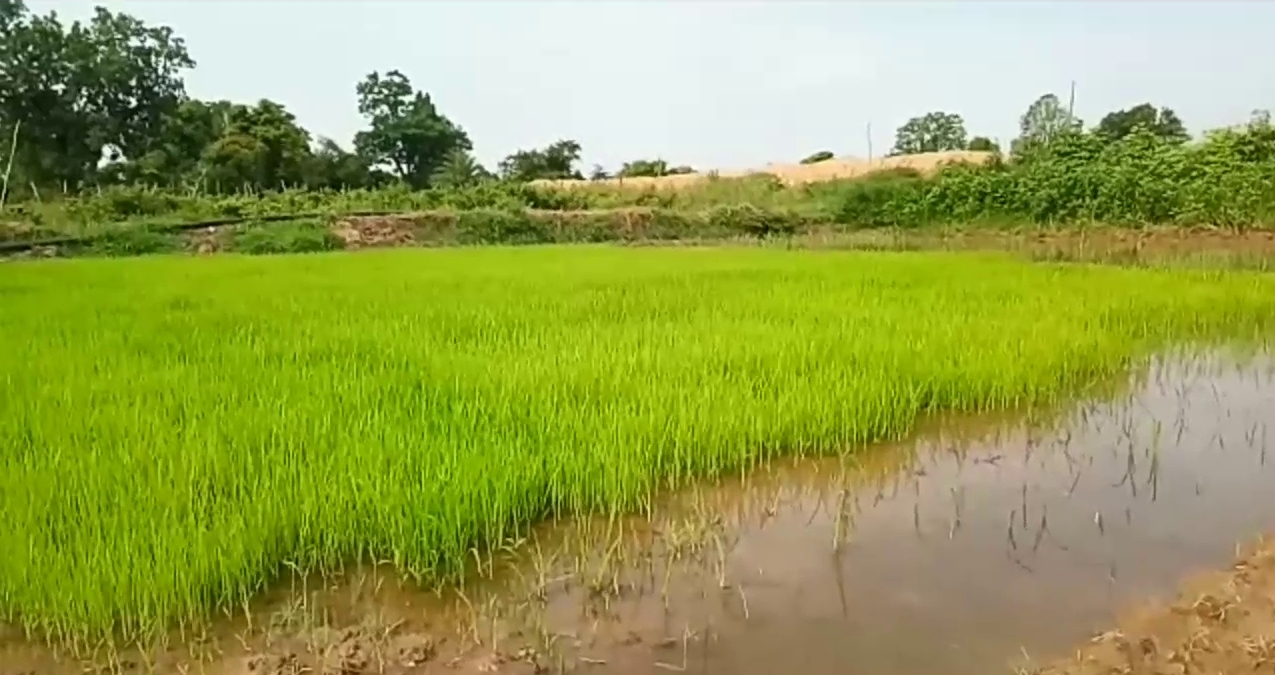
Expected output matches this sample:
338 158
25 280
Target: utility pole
1071 103
869 145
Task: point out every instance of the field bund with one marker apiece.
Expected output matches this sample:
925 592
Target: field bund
178 432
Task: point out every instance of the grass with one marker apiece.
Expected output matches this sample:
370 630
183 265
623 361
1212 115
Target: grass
178 431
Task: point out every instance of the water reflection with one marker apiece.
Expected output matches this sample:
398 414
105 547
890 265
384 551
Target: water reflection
981 544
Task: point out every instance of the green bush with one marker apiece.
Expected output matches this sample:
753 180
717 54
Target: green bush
887 199
295 237
129 241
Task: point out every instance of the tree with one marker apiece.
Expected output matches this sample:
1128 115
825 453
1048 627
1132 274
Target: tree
1163 123
1045 121
821 156
983 144
81 90
651 167
459 170
598 173
262 147
932 132
331 167
408 134
174 158
555 162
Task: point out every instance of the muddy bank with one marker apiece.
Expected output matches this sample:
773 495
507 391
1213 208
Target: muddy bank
982 546
1221 622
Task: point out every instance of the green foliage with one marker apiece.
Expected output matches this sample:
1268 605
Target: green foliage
884 199
752 221
1142 178
1163 124
1225 179
243 414
292 237
261 146
331 167
1045 121
460 170
651 168
408 133
983 144
83 90
821 156
555 162
932 132
132 241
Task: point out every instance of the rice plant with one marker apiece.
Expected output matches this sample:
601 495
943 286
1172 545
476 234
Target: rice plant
177 432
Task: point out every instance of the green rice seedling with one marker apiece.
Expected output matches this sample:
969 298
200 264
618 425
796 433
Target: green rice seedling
177 431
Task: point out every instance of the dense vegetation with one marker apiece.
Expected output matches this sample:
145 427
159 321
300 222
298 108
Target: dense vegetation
178 430
100 130
1226 179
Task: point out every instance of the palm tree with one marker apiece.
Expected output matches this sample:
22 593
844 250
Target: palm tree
460 169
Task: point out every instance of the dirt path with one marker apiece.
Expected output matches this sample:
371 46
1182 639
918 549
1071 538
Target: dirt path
1222 622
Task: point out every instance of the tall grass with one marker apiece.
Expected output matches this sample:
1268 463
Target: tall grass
176 431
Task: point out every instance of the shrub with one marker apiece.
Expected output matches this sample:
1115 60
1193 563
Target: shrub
295 237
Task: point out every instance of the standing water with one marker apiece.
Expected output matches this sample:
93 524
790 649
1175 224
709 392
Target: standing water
980 546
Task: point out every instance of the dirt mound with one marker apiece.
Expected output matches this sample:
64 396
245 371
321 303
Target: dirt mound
1221 623
795 174
375 231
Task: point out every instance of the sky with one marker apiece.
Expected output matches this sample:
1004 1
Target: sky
717 84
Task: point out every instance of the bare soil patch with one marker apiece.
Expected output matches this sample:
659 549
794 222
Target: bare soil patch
1222 622
797 174
376 231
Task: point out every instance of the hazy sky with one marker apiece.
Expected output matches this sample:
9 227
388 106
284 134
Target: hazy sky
720 84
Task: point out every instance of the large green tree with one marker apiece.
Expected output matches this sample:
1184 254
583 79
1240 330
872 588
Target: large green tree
932 132
79 91
407 133
1163 123
262 147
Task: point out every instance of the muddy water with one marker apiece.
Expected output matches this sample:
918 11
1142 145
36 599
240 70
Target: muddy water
981 546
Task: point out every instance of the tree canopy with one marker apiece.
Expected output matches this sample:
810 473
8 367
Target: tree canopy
408 133
555 162
932 132
85 90
1163 123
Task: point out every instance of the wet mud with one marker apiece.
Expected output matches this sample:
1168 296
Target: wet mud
982 546
1221 622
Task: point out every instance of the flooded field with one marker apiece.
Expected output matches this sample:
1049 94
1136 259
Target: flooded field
982 546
